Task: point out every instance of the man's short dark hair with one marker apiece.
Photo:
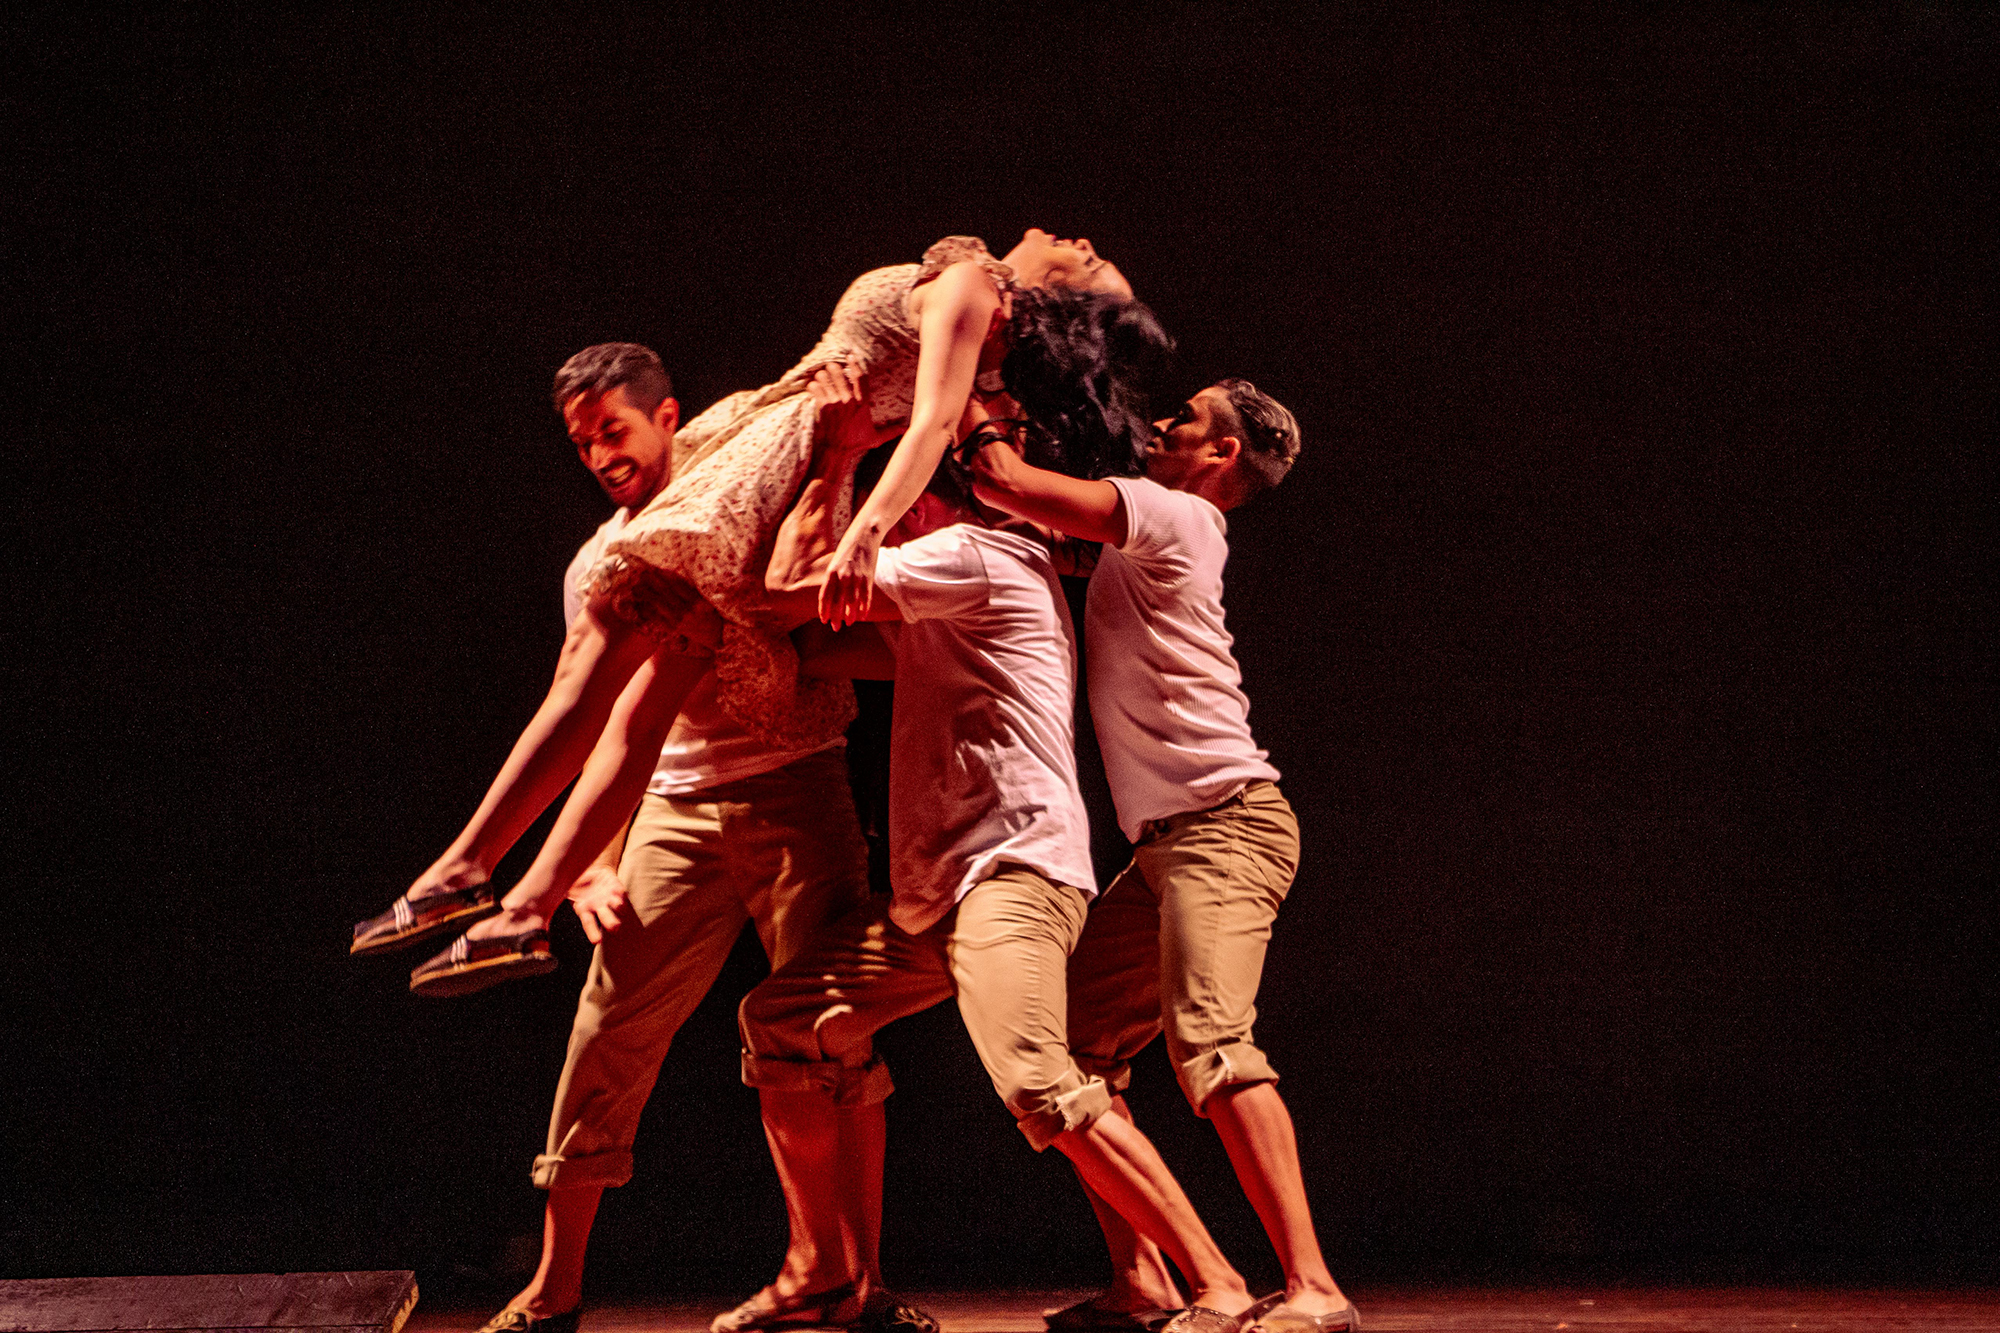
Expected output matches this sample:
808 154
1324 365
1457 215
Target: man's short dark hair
607 366
1269 431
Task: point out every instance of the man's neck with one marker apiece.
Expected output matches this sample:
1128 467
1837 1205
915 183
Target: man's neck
1209 487
643 501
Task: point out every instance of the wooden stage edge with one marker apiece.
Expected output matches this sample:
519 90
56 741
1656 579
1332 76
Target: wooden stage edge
1453 1310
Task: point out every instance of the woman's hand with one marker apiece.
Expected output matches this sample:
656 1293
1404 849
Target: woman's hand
849 591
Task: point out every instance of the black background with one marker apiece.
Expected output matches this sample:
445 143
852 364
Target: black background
1620 633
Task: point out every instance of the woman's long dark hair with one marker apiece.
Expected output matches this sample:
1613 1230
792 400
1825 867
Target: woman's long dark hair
1081 365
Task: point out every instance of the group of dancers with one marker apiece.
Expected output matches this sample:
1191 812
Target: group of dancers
699 703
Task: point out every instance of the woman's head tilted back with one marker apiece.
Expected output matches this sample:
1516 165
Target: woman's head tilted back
1042 260
1082 364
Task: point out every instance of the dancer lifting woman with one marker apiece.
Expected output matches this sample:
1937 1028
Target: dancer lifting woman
680 592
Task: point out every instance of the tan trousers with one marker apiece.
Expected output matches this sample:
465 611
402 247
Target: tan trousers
1178 942
1003 951
782 850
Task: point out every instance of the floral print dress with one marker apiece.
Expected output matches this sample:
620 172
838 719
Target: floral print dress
737 470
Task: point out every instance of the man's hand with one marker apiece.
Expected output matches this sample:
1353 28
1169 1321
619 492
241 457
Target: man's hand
598 895
844 428
665 599
702 628
1087 510
992 469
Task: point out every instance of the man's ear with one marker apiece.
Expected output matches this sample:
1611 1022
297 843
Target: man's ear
1225 447
667 416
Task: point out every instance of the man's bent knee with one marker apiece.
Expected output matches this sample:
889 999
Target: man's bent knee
840 1084
598 1170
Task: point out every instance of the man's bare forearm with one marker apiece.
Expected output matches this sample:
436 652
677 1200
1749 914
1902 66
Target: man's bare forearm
808 535
1090 510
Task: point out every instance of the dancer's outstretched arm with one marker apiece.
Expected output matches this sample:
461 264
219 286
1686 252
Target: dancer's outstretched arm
599 656
955 315
1089 510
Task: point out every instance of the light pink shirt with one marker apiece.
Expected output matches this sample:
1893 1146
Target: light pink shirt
982 743
1165 692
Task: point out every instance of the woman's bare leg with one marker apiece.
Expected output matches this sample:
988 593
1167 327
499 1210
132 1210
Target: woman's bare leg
613 779
598 658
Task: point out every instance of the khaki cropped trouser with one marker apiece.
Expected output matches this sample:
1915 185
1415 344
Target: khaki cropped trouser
1178 942
781 849
1003 951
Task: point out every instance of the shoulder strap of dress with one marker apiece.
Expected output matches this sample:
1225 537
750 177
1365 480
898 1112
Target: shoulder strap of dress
957 250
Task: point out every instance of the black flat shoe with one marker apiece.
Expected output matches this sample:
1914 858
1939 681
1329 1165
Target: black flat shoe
886 1312
473 965
1087 1316
520 1321
412 921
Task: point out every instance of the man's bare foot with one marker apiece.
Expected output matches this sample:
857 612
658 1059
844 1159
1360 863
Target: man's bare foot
542 1300
772 1309
1309 1301
1233 1300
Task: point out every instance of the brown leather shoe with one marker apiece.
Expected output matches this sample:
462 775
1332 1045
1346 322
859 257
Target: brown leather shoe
520 1321
472 965
1284 1319
414 920
1087 1316
886 1312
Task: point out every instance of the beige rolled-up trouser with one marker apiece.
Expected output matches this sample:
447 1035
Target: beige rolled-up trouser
1003 951
781 849
1178 942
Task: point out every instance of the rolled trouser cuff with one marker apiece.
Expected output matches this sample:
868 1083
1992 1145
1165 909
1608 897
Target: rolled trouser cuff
1060 1112
1117 1074
1202 1072
604 1170
843 1085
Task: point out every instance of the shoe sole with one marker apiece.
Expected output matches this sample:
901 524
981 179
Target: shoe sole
429 930
466 978
1349 1322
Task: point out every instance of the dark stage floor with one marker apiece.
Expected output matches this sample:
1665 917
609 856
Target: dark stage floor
1586 1310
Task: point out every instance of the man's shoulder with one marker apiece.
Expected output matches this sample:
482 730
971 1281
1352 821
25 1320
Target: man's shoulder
965 538
1159 519
593 548
594 544
1025 554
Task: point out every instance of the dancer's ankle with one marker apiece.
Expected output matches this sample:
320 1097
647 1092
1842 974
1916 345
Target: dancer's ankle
1316 1297
508 921
447 875
545 1302
1223 1299
1130 1294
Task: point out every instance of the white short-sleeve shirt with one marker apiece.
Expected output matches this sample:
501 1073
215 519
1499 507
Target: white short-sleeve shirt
1166 695
706 746
982 753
